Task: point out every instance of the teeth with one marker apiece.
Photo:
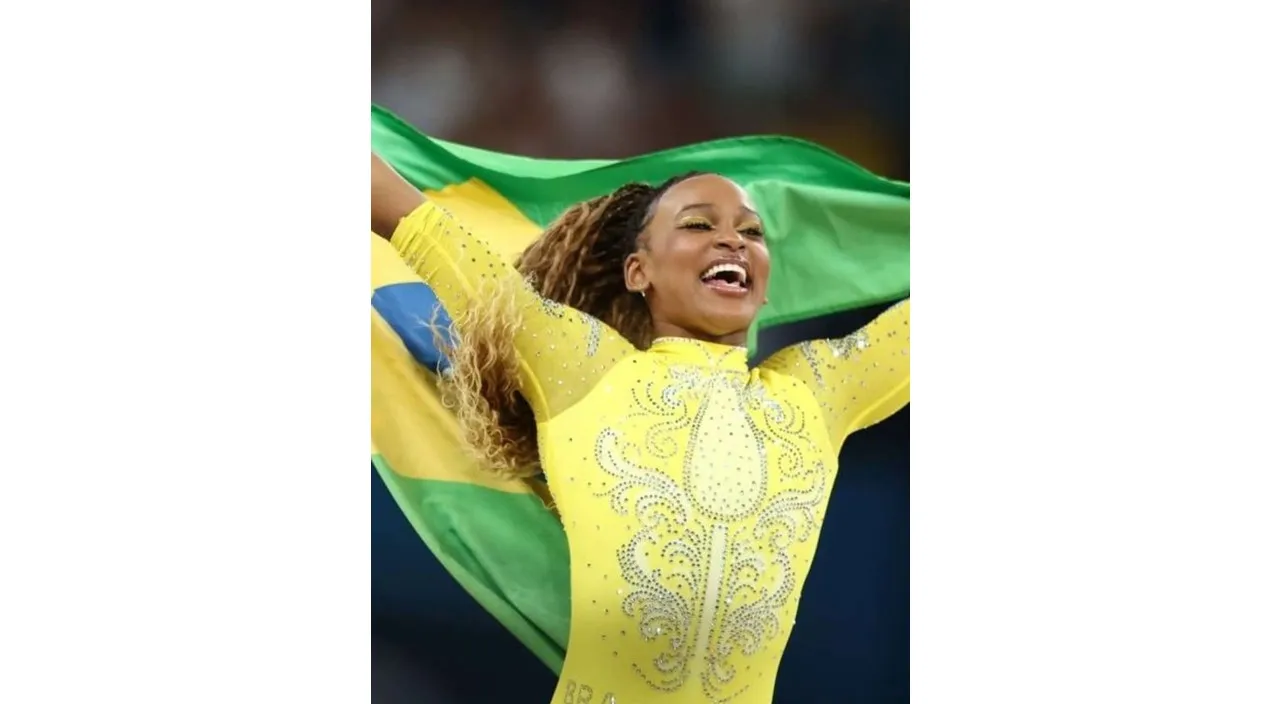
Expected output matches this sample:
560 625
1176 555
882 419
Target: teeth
735 268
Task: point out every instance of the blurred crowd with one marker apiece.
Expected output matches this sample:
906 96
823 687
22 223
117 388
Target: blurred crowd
615 78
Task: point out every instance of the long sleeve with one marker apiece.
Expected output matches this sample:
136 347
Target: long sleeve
562 352
858 380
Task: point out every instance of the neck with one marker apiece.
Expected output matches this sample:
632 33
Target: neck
734 339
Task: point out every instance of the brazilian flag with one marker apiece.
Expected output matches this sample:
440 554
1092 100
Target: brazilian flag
839 239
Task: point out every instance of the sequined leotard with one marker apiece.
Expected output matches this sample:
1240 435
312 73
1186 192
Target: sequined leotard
691 487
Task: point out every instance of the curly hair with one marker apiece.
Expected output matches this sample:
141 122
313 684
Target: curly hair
577 262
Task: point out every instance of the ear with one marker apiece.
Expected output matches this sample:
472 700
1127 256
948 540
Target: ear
634 273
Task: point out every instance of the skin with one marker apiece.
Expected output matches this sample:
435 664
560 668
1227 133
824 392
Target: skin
697 223
392 198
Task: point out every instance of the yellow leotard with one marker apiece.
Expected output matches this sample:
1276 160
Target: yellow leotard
692 488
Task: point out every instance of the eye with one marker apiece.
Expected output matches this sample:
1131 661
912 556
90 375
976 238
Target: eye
753 231
698 224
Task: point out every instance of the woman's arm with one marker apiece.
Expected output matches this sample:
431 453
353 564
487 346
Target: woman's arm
562 352
858 380
393 198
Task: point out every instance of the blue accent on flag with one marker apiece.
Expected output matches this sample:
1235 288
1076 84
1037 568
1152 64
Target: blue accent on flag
410 309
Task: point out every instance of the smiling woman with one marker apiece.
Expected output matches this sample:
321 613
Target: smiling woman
691 487
700 260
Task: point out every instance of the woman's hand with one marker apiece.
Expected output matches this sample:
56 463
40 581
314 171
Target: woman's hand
392 198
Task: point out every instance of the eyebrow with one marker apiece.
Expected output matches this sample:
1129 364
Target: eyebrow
707 206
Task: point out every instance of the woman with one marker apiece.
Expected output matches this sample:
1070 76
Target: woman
691 487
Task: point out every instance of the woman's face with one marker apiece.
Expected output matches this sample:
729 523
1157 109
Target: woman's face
702 262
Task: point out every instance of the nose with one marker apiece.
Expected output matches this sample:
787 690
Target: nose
730 240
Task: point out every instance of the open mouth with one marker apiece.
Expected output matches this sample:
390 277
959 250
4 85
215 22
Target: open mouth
727 277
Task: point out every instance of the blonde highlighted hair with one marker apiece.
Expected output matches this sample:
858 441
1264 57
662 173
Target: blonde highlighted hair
578 262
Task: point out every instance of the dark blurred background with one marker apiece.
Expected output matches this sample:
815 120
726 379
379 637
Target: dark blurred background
616 78
570 79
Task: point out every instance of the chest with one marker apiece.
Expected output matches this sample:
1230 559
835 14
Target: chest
718 444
